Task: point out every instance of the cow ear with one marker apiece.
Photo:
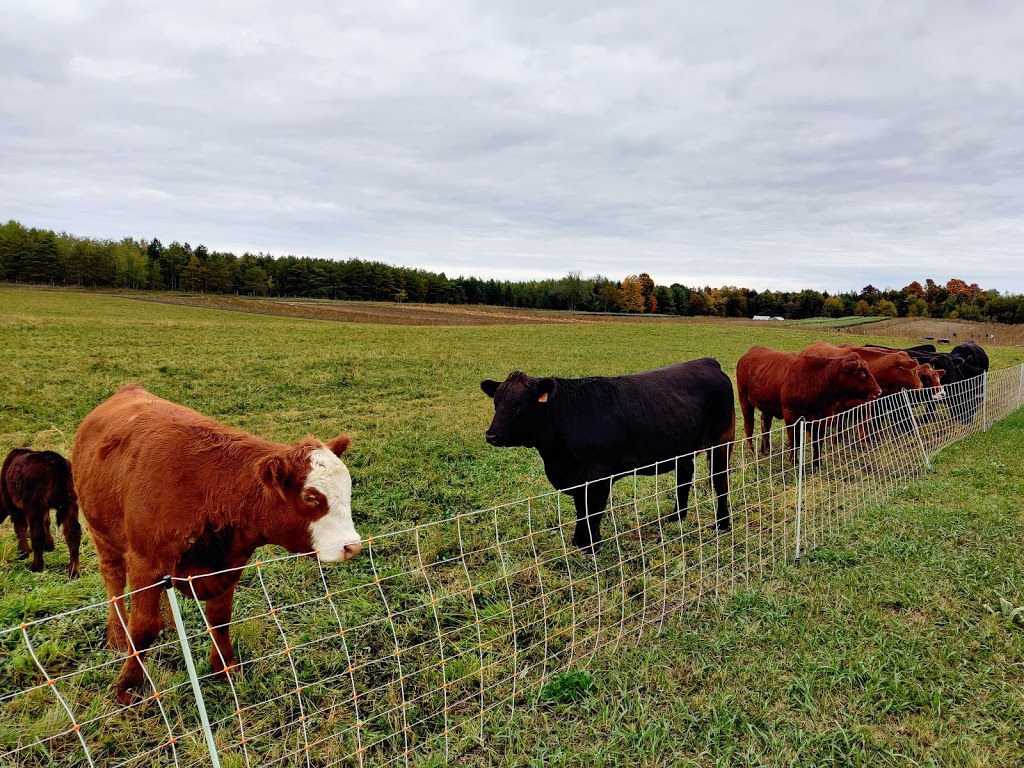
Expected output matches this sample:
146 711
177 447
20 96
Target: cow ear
544 389
940 372
489 387
273 472
340 444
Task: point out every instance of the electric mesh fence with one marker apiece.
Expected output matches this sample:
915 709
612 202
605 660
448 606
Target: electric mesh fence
426 643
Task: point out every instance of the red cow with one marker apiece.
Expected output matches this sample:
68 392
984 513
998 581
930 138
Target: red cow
168 491
788 386
31 484
893 370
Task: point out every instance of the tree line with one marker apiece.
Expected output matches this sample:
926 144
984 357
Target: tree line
42 256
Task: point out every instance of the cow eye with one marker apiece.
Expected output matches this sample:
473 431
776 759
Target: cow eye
310 499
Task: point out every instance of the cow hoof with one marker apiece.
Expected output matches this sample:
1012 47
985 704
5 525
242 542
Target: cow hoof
723 527
48 547
127 693
35 567
73 571
24 553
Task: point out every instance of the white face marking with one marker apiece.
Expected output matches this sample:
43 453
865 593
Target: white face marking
332 532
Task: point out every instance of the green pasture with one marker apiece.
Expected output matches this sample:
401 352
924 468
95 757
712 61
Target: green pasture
887 646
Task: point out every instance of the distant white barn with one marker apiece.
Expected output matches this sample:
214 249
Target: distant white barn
767 317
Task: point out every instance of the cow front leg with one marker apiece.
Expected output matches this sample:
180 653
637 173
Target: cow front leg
684 479
144 624
218 616
590 503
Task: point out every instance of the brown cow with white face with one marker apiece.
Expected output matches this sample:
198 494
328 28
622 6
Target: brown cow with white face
168 491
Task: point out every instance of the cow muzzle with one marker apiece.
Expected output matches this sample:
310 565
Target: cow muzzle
339 554
492 438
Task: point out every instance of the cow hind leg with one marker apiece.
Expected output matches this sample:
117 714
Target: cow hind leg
114 579
590 503
49 546
144 625
21 531
718 461
37 534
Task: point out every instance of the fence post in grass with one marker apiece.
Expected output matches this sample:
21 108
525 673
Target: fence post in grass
917 430
1020 385
801 426
984 401
190 665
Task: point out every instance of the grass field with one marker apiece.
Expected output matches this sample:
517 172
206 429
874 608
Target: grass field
877 650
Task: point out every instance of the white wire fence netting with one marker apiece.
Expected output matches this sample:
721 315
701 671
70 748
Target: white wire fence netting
423 645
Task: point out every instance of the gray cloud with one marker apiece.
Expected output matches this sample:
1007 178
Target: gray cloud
769 145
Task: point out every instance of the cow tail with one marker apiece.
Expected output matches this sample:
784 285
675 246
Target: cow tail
63 487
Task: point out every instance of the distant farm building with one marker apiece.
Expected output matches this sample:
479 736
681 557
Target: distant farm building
767 317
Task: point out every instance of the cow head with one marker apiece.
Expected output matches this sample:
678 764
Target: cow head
314 488
856 384
901 372
932 378
520 409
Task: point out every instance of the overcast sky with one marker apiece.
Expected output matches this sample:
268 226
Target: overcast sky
761 144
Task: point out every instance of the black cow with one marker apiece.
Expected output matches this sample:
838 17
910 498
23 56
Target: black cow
605 428
972 354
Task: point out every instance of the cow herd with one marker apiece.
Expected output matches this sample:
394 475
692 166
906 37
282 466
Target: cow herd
168 491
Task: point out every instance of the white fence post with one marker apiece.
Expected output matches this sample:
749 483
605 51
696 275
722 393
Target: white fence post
190 665
917 430
984 401
1020 386
801 426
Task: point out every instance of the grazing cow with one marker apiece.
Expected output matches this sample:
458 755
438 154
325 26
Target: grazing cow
893 370
786 386
965 400
602 429
168 491
31 484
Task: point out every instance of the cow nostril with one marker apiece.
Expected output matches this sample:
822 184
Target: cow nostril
351 550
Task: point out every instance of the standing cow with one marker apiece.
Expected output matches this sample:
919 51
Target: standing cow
168 491
602 429
31 484
791 387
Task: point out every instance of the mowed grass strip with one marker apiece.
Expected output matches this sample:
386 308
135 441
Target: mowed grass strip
411 399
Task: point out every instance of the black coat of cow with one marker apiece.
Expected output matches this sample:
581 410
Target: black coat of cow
605 428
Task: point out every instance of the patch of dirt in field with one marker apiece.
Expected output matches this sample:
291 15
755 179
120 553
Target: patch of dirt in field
372 312
933 331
